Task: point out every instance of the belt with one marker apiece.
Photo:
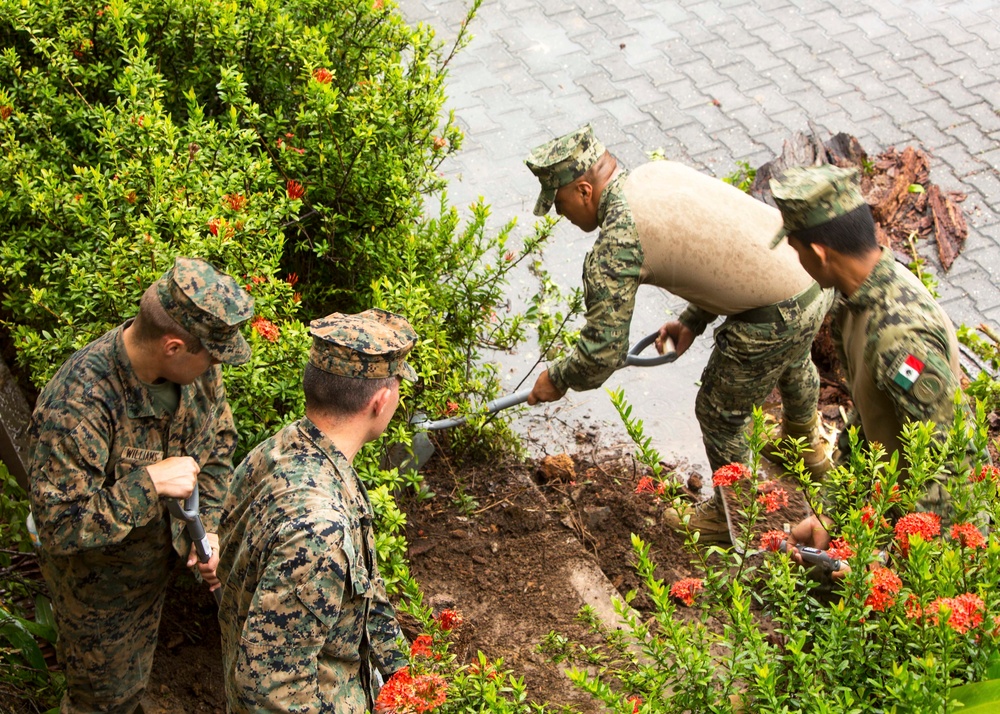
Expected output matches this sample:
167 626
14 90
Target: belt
772 313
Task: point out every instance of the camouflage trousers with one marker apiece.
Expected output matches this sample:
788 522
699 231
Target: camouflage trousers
754 352
107 605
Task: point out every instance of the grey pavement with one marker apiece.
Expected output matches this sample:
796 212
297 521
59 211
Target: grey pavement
714 82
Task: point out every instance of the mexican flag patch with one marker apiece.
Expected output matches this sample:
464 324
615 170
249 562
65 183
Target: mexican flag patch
908 372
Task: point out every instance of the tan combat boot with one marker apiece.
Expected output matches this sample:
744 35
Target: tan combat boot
814 455
707 518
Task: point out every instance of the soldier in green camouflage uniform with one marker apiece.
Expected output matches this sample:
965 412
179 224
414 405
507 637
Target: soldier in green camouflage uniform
667 225
896 345
137 416
304 615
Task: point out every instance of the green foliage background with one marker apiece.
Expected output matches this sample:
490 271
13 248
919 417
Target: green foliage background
292 143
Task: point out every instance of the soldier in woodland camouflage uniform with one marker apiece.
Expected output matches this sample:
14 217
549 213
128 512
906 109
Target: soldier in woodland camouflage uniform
304 615
897 346
136 416
667 225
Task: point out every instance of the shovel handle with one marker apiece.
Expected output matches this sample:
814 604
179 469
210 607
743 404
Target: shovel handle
634 360
504 402
188 514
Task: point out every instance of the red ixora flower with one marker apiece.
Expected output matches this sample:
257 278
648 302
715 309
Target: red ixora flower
322 75
636 702
648 485
840 549
5 111
893 492
449 619
968 535
925 525
685 589
986 472
213 226
885 585
729 474
406 694
772 540
266 329
292 279
236 201
912 607
295 190
966 611
421 646
773 500
868 517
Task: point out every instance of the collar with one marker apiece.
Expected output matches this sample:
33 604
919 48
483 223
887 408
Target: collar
352 482
138 401
872 290
610 193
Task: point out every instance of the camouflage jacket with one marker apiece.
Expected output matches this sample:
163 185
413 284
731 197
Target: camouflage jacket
304 609
94 431
889 319
611 276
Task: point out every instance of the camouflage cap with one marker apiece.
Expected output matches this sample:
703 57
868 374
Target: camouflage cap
562 161
208 304
814 195
369 345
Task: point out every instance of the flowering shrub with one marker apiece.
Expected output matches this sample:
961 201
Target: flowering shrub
915 614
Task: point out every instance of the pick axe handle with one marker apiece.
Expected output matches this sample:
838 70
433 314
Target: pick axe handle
814 556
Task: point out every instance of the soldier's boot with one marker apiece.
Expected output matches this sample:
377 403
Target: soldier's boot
815 457
707 518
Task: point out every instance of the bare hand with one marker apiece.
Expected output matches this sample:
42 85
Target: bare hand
174 477
813 532
544 390
207 570
681 336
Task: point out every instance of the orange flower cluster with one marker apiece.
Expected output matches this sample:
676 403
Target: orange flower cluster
449 619
968 535
266 329
729 474
295 190
236 201
636 702
406 694
966 611
648 485
772 540
421 646
925 525
868 517
773 500
322 75
893 492
685 589
5 111
840 549
987 472
885 585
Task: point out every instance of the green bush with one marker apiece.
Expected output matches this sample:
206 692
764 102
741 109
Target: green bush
293 144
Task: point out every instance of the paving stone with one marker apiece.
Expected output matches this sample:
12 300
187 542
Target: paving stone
745 76
958 159
625 112
667 114
971 136
600 87
872 25
740 145
686 93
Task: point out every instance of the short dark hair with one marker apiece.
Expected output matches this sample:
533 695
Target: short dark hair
851 233
338 395
153 322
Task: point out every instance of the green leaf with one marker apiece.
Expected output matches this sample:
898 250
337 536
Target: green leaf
979 697
915 188
17 634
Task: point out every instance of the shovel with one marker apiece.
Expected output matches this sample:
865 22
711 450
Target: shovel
422 449
188 514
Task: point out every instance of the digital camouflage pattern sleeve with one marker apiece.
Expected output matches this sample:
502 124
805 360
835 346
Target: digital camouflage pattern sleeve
611 275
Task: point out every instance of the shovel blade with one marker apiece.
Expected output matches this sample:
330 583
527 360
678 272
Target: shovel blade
410 459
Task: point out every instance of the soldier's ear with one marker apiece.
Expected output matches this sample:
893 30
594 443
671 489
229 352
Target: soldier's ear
172 345
820 251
